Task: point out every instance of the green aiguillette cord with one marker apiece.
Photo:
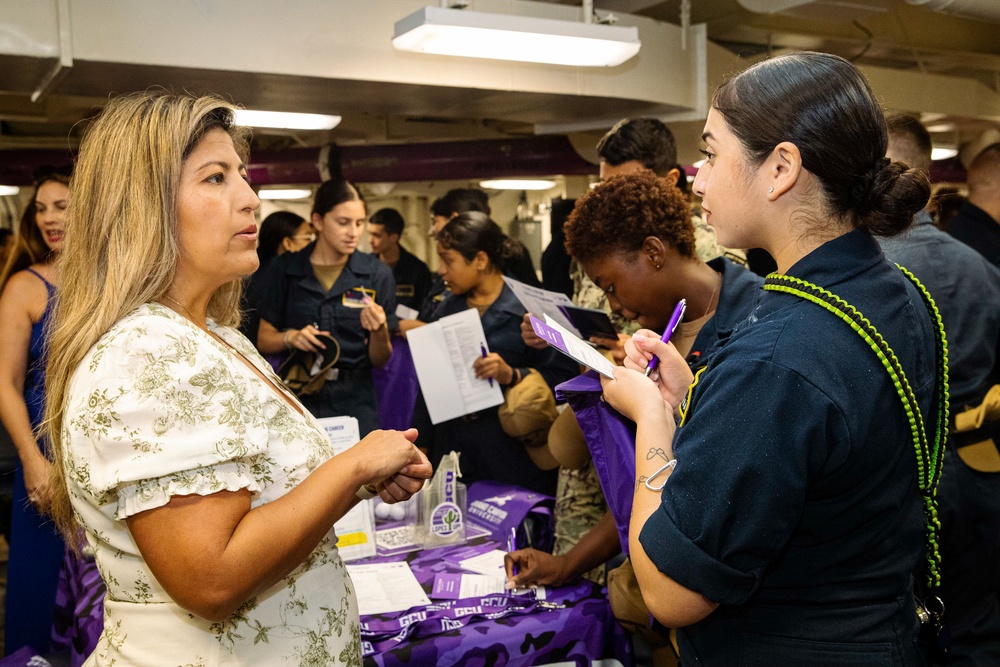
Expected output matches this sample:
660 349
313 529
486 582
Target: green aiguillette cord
930 455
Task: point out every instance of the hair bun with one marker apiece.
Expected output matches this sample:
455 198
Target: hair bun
897 194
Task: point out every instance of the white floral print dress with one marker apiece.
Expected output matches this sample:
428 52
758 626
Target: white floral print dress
159 408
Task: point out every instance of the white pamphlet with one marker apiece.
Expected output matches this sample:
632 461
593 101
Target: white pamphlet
386 587
569 344
356 529
489 563
541 302
443 354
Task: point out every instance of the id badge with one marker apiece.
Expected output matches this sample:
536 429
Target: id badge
405 290
355 297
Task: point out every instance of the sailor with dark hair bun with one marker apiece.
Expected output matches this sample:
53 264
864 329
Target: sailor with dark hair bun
781 519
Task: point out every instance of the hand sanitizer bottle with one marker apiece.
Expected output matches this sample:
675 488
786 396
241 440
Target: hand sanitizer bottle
442 515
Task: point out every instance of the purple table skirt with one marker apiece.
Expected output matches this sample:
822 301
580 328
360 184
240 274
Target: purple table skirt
579 630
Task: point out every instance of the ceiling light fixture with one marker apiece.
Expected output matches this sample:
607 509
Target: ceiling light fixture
517 184
286 120
288 193
9 190
943 152
456 32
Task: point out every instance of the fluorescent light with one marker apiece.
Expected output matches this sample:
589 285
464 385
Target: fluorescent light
941 127
9 190
943 152
457 32
288 193
517 184
286 120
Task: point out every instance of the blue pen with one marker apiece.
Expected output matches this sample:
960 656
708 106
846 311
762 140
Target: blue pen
482 348
512 546
675 319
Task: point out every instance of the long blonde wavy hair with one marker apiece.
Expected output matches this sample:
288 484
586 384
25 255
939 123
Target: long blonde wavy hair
120 249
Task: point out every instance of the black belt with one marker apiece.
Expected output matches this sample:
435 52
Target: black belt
336 374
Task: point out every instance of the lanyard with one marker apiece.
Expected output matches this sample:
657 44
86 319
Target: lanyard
378 635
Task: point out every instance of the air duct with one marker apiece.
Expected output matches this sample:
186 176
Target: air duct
978 10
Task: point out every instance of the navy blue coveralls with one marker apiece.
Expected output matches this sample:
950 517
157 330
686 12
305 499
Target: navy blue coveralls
294 298
794 503
966 289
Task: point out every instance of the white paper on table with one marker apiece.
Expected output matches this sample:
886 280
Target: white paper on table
443 354
356 529
541 302
406 313
386 587
478 585
489 563
569 344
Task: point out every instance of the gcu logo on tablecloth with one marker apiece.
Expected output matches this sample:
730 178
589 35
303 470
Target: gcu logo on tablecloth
448 624
410 619
468 611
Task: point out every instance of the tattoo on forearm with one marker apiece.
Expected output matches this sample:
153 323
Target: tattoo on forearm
656 451
639 482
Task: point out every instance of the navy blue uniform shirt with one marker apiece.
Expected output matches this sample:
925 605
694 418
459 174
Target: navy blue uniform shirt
794 502
966 289
974 227
294 298
413 279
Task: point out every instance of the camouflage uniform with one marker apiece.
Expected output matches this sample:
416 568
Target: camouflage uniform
579 506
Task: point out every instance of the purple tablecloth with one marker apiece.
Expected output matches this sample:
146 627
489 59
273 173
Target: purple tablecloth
574 625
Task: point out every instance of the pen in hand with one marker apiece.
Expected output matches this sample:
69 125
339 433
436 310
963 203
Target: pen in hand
675 319
482 348
512 547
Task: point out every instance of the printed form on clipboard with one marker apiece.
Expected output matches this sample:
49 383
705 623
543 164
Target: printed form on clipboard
571 345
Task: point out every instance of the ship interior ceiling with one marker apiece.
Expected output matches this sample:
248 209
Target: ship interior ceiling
414 125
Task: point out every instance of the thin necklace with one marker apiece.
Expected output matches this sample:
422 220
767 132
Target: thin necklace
193 319
195 322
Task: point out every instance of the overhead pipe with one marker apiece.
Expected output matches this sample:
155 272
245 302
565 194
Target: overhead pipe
442 161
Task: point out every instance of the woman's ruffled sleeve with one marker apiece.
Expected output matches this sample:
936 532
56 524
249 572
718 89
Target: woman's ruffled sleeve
155 411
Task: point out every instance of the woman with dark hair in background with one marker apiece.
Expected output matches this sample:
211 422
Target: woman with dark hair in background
329 288
28 285
789 526
280 232
473 249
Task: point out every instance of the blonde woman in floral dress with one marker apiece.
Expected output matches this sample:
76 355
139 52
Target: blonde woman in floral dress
206 491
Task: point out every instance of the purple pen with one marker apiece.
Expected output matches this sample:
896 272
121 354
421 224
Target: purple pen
675 319
512 546
482 348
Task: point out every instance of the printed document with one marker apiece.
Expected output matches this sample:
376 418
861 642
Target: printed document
386 587
356 529
569 344
443 354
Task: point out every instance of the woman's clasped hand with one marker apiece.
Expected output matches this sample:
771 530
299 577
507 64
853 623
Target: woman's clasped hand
391 463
